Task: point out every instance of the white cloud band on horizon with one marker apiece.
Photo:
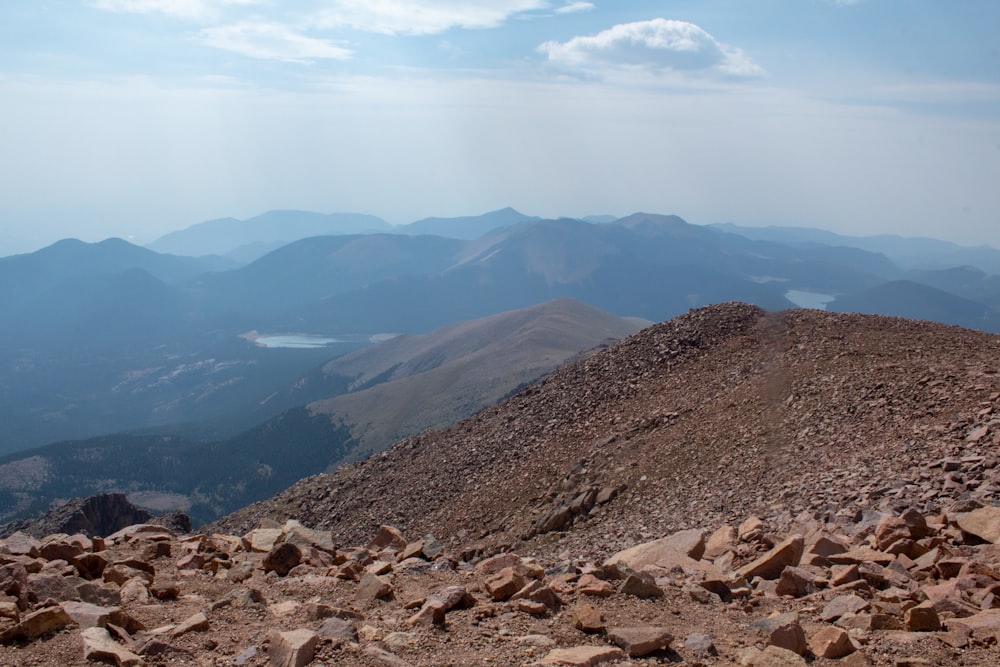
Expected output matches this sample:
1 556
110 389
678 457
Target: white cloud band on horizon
659 44
271 41
421 17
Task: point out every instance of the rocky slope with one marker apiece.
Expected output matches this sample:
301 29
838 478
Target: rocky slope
715 415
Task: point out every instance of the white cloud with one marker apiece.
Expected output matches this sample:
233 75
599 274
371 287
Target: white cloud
421 17
657 44
196 10
574 7
271 41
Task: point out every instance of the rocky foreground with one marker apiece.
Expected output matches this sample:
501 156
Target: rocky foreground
901 590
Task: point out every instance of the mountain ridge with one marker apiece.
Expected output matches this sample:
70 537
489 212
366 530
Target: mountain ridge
705 418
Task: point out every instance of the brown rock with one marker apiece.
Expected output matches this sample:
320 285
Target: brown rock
305 538
98 645
134 591
14 582
750 530
843 604
580 656
165 589
282 558
338 631
196 623
784 631
771 564
862 555
917 524
60 549
922 618
639 641
985 620
984 523
36 624
832 643
431 613
772 656
453 596
373 587
494 564
890 529
91 566
722 540
796 582
383 657
21 544
531 607
294 648
504 584
587 618
700 645
843 574
387 537
44 586
688 543
588 584
412 550
193 561
262 540
640 585
87 615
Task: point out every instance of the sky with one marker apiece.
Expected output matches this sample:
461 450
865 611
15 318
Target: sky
133 118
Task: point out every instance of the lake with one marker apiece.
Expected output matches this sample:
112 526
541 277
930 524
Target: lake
296 341
813 300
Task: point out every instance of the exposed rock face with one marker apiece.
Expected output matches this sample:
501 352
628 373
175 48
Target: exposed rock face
97 515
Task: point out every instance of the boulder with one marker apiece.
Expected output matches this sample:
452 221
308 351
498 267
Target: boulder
262 540
387 537
922 618
772 656
832 643
771 564
196 623
984 523
36 624
304 538
843 604
373 587
796 582
338 631
688 543
282 558
99 646
640 585
639 641
294 648
580 656
504 584
586 618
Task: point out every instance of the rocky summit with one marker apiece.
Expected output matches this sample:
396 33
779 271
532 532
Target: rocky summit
729 487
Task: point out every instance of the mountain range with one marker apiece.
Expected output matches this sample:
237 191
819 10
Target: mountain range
171 351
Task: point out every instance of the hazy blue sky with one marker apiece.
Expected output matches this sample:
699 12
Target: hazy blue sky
136 117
